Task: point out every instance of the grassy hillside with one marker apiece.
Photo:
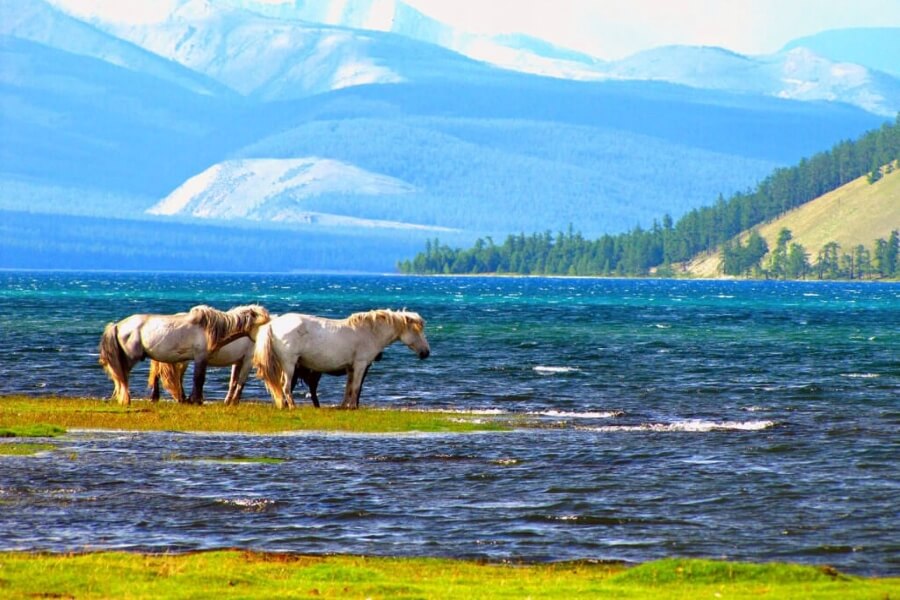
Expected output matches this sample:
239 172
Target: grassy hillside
856 213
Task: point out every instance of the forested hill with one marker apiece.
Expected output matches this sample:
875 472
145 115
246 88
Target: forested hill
640 250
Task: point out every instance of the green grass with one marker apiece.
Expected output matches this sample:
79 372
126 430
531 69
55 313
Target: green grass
31 430
18 413
17 449
241 574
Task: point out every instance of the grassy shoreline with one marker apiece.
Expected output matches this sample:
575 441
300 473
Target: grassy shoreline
214 417
248 574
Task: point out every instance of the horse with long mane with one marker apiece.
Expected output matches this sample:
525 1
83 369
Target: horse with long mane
237 354
172 339
317 345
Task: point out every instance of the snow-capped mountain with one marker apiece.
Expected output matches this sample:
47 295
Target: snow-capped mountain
517 52
277 59
37 21
291 49
275 190
798 74
876 48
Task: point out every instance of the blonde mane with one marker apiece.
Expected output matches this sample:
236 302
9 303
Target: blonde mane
400 320
221 327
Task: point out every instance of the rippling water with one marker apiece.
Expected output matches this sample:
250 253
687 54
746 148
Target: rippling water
747 420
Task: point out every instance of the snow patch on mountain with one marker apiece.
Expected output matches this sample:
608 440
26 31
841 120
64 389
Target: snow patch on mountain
40 22
252 54
798 74
516 52
269 189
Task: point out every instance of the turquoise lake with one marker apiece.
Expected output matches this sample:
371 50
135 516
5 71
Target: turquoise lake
745 420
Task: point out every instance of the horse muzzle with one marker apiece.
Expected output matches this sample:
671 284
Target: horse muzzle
423 354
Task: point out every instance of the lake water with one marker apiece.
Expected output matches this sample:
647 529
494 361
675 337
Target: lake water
747 420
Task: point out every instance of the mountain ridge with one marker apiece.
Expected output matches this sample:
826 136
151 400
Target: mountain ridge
789 73
467 146
871 47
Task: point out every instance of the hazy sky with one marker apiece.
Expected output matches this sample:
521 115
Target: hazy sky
608 29
613 29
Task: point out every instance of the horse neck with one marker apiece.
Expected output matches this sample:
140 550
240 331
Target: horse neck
233 328
227 339
385 333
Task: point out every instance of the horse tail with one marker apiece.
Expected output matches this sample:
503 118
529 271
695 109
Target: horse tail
268 366
112 359
170 376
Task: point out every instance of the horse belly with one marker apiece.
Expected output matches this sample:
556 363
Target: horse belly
325 352
231 353
324 364
173 344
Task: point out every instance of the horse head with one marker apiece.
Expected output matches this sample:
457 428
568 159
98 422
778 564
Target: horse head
250 318
413 334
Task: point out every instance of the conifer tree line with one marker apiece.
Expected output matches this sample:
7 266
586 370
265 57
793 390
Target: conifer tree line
790 260
638 251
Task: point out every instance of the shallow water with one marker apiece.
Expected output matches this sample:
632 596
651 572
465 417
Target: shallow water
747 420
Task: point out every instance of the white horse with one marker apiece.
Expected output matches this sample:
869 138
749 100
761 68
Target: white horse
318 345
237 354
174 338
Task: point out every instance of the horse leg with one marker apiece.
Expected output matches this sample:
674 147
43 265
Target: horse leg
298 371
241 378
310 379
355 376
120 390
180 370
232 382
199 380
312 382
287 379
123 393
361 381
154 390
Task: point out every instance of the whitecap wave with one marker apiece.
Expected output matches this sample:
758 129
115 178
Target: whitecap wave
605 414
460 411
690 425
251 504
552 370
861 375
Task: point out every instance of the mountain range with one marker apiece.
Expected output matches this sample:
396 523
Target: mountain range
370 119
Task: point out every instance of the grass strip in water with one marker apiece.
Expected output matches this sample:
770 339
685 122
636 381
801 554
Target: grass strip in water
31 430
244 574
248 417
17 449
